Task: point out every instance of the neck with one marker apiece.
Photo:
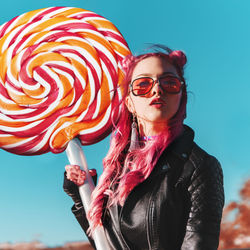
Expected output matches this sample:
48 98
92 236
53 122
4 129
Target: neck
151 129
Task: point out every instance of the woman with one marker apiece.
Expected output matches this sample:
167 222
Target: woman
158 190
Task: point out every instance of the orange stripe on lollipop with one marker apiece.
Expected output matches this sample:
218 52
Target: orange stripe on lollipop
43 58
26 17
99 39
105 95
11 139
22 99
10 106
69 12
13 124
84 45
102 24
47 23
3 68
63 136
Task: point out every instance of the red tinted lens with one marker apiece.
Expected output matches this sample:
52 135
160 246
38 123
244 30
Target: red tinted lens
142 86
170 84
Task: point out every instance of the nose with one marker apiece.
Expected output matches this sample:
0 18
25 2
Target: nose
157 89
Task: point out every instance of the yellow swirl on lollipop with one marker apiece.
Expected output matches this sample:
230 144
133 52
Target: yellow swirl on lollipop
59 78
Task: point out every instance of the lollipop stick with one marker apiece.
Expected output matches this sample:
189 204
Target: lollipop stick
76 157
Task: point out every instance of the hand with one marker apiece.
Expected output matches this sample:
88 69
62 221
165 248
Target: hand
72 177
76 175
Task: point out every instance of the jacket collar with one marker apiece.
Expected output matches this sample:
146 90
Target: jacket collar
182 145
178 151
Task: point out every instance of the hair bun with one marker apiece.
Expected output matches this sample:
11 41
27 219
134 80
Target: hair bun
178 57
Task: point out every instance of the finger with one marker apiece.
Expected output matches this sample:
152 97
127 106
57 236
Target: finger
67 168
78 174
69 175
80 181
75 176
72 167
76 167
70 171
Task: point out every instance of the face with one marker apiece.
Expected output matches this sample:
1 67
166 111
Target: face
157 107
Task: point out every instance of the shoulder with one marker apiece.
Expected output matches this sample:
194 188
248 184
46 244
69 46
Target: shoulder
201 167
206 177
204 162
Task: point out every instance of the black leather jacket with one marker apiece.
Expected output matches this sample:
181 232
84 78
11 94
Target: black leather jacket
179 206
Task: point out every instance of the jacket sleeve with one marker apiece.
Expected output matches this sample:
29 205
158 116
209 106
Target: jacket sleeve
80 214
82 220
206 204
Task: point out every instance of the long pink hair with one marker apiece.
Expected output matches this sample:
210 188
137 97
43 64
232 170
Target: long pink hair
124 170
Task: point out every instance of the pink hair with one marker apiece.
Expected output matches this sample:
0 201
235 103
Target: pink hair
121 174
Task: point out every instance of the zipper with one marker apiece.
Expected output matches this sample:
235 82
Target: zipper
151 227
156 173
149 179
117 230
150 224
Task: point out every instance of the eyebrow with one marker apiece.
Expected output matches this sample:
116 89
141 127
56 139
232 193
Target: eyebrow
150 75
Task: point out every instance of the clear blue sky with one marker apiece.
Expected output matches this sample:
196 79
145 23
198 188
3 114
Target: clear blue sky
215 35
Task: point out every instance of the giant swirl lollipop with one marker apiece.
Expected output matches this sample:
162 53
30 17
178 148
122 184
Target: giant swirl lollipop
59 79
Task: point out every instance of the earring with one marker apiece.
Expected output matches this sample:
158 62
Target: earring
134 144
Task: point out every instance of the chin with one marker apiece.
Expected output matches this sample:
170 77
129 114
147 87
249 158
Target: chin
159 119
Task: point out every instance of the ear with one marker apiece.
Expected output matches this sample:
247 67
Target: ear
130 105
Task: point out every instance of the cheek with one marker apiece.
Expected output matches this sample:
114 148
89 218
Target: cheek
138 105
174 102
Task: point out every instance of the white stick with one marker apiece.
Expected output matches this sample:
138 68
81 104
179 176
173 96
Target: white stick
76 157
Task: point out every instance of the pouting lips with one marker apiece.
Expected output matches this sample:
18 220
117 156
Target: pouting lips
157 101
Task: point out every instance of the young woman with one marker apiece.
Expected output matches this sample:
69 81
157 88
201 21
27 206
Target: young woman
158 189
